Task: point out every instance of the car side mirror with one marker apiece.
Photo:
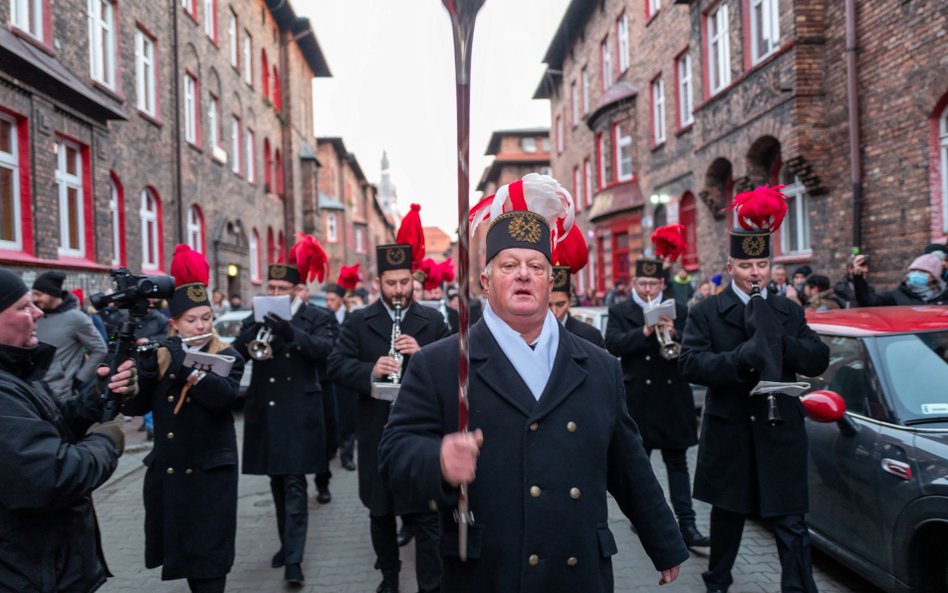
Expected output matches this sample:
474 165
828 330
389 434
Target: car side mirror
824 405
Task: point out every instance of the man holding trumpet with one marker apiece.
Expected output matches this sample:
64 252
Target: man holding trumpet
659 399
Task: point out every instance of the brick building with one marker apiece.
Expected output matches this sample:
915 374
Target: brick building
661 111
128 127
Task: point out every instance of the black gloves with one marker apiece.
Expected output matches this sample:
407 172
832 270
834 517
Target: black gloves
176 372
759 317
281 328
113 430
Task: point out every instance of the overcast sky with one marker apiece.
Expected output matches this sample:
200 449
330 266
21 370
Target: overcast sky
393 87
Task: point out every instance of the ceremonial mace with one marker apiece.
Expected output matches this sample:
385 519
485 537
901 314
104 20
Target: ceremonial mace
463 13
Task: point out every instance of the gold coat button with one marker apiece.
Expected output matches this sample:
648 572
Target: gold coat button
534 491
170 470
170 435
574 493
187 400
289 378
571 426
288 354
189 471
647 357
753 418
534 426
273 379
533 560
669 381
272 403
648 381
171 398
571 561
171 376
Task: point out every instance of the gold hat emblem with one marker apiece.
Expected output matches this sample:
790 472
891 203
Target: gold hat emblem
559 277
278 271
197 293
753 245
395 256
649 268
524 229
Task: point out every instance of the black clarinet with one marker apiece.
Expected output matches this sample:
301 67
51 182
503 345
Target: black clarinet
773 412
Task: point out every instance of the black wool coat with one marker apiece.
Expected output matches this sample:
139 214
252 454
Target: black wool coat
366 336
744 465
659 399
584 330
284 428
539 499
191 481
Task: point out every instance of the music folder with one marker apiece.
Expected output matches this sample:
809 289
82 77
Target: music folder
219 364
654 312
278 305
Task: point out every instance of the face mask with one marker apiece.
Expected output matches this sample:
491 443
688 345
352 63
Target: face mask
916 278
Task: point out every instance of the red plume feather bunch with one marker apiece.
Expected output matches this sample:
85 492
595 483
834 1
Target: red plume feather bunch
761 209
669 241
447 270
571 251
410 232
189 266
348 277
309 257
430 273
80 296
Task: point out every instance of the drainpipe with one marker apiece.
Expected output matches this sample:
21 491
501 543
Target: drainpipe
855 161
179 186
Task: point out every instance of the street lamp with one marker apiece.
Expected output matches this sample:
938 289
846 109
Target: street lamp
232 270
659 199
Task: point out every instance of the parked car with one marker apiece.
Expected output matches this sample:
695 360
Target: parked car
227 325
597 317
879 480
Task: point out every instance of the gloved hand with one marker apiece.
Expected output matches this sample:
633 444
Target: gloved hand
759 317
280 327
113 430
750 354
124 381
176 371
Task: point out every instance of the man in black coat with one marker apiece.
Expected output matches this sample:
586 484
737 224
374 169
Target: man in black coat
659 399
345 399
284 428
560 298
745 465
550 435
361 358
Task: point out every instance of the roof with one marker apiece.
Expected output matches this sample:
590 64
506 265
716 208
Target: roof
869 321
494 144
327 202
615 95
571 27
437 242
337 144
492 171
303 35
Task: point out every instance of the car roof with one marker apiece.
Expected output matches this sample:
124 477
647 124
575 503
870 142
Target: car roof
870 321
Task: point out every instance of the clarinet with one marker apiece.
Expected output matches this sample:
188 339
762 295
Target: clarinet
396 377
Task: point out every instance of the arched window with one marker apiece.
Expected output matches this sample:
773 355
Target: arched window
267 166
254 256
265 73
278 172
195 228
276 89
117 217
271 248
280 247
150 214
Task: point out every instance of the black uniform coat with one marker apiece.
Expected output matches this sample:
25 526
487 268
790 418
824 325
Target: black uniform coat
539 500
191 481
284 429
659 399
367 336
49 538
584 330
744 465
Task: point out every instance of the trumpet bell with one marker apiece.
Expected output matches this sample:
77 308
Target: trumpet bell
668 348
259 348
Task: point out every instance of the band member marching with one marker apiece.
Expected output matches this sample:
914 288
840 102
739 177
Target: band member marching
284 430
748 465
393 325
659 399
569 257
336 301
191 482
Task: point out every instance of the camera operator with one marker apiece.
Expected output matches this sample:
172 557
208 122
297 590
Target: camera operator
53 454
922 284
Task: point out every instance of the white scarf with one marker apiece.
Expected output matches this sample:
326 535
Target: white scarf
533 365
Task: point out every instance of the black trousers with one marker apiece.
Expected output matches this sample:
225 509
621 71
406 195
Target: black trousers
208 585
793 548
679 484
427 548
289 498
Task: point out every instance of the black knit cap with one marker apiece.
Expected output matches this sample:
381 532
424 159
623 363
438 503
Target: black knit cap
747 244
282 271
561 279
393 257
50 283
646 267
12 288
335 289
522 229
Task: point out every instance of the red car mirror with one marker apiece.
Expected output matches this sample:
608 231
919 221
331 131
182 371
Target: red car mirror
824 405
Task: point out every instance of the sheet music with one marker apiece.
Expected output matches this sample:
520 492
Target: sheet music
219 364
788 388
654 312
278 305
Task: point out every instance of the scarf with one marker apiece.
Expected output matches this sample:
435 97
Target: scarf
533 365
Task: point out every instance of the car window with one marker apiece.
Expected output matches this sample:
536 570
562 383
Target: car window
228 328
849 376
916 371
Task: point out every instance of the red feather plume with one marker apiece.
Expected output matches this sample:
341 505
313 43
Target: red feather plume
669 241
763 208
429 274
308 255
411 232
571 251
189 266
348 277
80 296
447 270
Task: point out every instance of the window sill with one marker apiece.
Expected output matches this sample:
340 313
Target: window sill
194 146
658 146
38 43
150 119
192 15
711 98
219 155
796 257
22 257
685 128
651 17
101 86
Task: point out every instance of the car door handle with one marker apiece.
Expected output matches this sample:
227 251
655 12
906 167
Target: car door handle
898 469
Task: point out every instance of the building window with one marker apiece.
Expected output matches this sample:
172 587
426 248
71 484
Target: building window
359 239
190 6
587 182
264 74
623 157
267 167
943 152
191 116
27 15
574 99
331 229
102 41
687 217
210 19
719 50
254 256
10 222
117 216
685 91
250 157
145 74
248 62
577 189
232 38
528 144
658 111
605 53
622 31
585 91
764 28
150 215
195 229
213 123
652 7
235 144
72 240
275 91
559 134
278 172
795 231
604 156
271 247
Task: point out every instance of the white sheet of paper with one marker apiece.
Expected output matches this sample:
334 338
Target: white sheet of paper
219 364
789 388
652 314
278 305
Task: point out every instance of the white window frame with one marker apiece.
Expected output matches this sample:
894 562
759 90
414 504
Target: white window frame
235 144
359 239
578 202
190 108
574 99
66 181
248 58
585 90
11 162
149 217
686 99
622 31
560 144
232 36
528 144
210 19
798 220
764 28
653 7
622 144
145 86
332 229
719 50
587 181
605 58
195 230
658 110
943 152
116 219
254 256
102 41
601 158
20 12
250 155
213 123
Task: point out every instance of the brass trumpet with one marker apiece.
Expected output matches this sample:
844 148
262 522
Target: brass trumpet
668 348
259 348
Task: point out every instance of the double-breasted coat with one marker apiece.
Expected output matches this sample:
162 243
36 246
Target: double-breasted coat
284 428
190 486
367 336
659 399
745 465
539 500
584 330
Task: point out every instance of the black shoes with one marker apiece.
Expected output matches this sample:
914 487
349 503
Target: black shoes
293 574
323 495
404 535
693 538
387 587
278 559
347 464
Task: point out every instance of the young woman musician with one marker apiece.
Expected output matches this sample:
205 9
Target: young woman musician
191 481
